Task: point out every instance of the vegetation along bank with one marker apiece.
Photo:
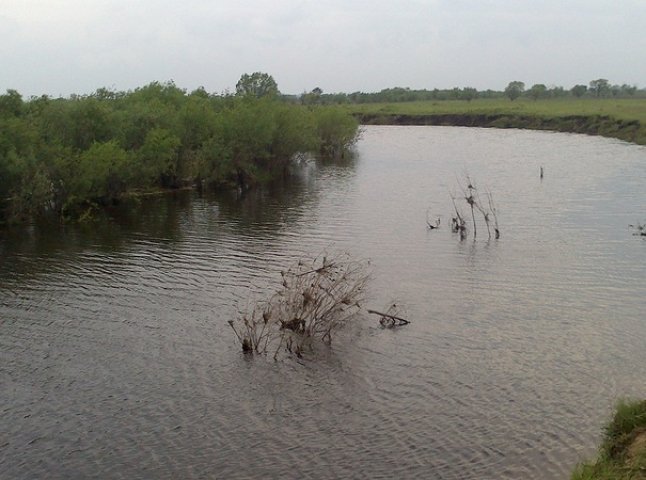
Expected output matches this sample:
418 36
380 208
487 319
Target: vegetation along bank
67 157
622 454
624 119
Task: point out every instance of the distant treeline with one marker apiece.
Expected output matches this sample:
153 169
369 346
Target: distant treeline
68 156
600 88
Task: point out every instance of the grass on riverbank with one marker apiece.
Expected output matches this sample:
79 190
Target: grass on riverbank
622 454
617 118
622 109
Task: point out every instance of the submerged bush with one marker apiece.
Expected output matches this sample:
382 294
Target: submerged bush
337 131
315 300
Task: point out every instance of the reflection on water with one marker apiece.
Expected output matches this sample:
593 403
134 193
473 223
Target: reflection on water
116 360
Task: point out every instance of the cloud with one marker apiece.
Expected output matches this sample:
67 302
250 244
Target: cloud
66 46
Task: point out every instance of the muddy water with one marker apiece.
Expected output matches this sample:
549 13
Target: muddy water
116 360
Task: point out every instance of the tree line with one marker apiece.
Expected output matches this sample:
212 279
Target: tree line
69 156
599 88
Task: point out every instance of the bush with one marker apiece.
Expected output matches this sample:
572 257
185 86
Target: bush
337 131
59 154
316 299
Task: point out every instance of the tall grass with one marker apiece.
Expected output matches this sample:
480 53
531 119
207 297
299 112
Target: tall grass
622 454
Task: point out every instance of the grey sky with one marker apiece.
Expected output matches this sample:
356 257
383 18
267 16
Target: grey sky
60 47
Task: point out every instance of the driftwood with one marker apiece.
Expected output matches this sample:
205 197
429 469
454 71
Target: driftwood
388 320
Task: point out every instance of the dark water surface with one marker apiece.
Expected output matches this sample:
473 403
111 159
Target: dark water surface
116 360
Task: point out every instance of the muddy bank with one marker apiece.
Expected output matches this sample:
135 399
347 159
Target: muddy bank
607 126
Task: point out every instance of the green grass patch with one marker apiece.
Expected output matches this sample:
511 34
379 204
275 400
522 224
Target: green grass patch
624 119
622 454
621 109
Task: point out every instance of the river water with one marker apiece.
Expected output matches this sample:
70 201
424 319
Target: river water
116 360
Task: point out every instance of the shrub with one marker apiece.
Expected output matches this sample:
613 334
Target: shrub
316 299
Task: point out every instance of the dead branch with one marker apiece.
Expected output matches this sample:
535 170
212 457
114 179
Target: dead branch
393 318
458 224
494 212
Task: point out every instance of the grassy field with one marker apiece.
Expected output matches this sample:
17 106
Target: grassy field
624 119
621 109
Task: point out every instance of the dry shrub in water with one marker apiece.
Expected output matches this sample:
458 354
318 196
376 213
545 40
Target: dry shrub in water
487 210
316 299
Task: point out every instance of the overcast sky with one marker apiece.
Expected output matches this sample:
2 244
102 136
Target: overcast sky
58 47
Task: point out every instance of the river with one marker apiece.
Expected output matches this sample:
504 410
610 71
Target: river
116 360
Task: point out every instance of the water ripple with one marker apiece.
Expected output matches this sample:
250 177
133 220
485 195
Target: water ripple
116 360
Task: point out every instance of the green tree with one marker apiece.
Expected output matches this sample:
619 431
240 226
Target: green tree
103 173
88 122
34 194
514 90
158 158
579 90
295 133
70 155
11 103
537 91
12 170
257 85
600 87
167 93
313 97
615 90
196 120
468 94
556 92
337 131
240 150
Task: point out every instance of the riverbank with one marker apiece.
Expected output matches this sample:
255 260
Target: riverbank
622 119
622 454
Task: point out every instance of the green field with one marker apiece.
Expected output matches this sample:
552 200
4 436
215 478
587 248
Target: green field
618 118
624 109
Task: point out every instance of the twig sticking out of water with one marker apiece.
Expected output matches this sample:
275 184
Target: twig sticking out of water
488 211
494 213
458 224
390 319
469 196
432 226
